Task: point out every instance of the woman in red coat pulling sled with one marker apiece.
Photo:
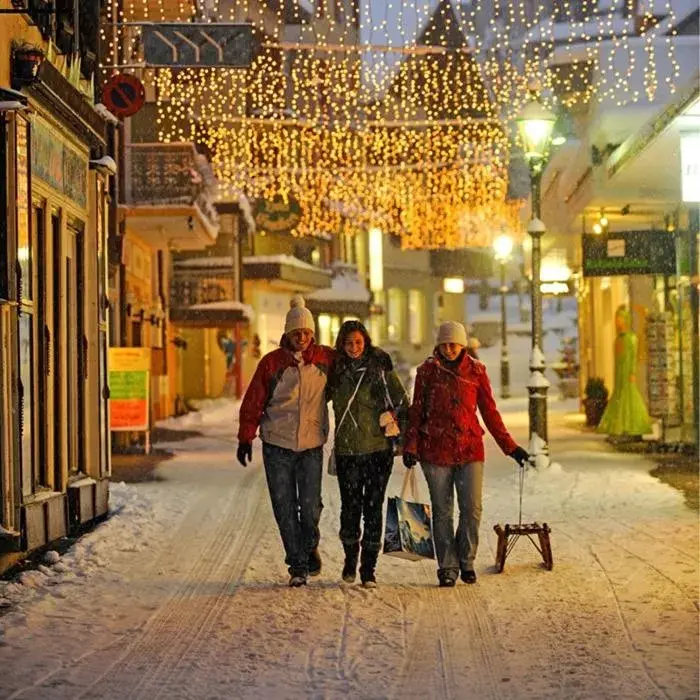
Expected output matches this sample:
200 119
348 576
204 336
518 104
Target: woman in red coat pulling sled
444 434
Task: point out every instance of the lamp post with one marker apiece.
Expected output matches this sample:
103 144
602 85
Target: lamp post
503 247
536 124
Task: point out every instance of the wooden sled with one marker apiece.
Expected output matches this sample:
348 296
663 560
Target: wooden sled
510 534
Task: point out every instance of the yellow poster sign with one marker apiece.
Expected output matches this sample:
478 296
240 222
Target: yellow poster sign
129 388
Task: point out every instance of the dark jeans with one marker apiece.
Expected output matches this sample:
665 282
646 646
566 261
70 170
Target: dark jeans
294 481
363 480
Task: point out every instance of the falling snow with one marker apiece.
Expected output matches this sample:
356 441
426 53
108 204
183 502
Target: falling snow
182 592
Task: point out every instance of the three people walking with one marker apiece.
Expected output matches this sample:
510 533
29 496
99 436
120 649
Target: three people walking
370 406
287 400
444 434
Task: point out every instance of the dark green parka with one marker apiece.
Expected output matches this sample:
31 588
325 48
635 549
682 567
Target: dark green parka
360 432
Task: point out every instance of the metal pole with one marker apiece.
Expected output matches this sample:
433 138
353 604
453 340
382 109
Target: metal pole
505 362
536 293
538 384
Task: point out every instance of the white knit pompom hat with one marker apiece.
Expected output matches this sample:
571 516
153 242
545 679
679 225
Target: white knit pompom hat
452 332
298 315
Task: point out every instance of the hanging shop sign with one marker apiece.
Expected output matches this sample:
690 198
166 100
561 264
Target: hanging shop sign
629 253
129 382
189 44
277 215
123 95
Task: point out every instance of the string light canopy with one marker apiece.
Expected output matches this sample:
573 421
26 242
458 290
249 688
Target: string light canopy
395 114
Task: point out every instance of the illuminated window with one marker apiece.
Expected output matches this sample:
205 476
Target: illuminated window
396 313
376 260
324 329
453 285
416 307
335 327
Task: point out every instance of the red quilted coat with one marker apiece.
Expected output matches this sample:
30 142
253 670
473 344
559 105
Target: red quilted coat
443 427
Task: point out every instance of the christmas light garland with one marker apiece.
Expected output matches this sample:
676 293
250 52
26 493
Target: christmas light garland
399 116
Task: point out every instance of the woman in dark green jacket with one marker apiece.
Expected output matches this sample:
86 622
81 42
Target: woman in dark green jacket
370 407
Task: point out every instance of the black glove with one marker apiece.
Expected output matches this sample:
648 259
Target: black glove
409 460
520 455
245 450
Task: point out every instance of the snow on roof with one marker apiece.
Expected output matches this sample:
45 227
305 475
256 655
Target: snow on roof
282 260
221 261
226 305
343 288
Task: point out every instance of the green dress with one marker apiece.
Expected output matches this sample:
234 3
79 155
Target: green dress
626 413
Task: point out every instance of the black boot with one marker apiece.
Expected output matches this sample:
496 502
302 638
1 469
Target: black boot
352 552
367 565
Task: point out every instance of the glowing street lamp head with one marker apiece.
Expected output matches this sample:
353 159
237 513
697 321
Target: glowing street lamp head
503 247
535 125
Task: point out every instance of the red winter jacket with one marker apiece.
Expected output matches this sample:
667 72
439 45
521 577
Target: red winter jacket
443 427
287 399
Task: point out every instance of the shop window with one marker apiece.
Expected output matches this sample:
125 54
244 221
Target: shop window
396 315
416 313
26 387
4 201
24 242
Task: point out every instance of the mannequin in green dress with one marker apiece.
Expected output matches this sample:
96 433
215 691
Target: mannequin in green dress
626 413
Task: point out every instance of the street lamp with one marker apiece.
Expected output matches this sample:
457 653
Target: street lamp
503 247
536 124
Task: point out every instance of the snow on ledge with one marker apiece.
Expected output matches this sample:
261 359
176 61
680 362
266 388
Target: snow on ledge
226 305
343 288
282 260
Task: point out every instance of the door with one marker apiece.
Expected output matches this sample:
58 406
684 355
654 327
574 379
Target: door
76 346
70 349
43 331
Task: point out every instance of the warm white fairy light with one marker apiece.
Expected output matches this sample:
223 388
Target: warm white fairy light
402 133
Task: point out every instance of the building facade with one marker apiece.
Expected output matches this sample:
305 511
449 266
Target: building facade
54 209
619 181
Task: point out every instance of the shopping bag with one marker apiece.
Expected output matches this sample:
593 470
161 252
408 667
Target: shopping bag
407 531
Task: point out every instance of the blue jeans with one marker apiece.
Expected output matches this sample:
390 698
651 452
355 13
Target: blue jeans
455 551
294 482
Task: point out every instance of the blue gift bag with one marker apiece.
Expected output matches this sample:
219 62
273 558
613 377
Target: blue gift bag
407 532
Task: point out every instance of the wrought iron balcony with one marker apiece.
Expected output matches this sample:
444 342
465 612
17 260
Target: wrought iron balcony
203 293
164 174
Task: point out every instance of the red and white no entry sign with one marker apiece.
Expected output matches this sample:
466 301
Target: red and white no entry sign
123 95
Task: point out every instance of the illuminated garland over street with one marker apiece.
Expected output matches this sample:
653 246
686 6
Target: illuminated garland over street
399 116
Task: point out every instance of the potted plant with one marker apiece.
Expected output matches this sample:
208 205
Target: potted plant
596 400
27 60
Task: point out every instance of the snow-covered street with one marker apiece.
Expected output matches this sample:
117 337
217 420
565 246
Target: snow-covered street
183 592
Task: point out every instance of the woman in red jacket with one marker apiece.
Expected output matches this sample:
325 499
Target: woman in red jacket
445 435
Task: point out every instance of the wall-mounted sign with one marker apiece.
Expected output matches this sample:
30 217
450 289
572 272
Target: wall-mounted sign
629 253
57 164
123 95
198 44
129 383
277 215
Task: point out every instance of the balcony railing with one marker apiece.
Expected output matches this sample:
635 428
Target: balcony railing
162 174
204 280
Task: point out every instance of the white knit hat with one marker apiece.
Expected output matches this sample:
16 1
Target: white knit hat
298 315
452 332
